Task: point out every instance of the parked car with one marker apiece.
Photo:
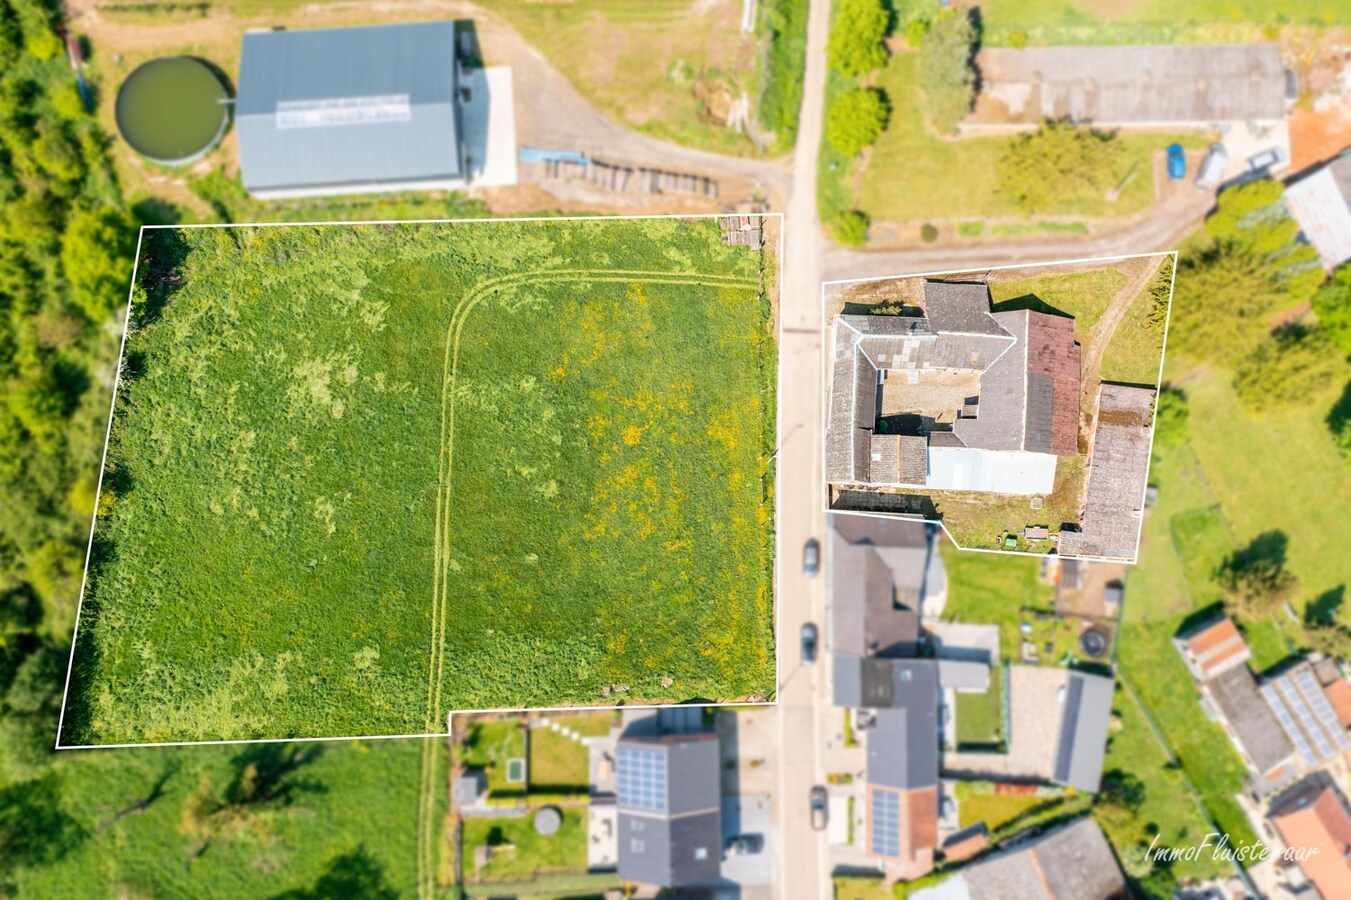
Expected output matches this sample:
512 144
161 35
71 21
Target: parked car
1212 167
809 637
811 557
745 845
1266 159
1177 162
820 804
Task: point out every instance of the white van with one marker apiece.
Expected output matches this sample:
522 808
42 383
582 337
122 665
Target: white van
1212 167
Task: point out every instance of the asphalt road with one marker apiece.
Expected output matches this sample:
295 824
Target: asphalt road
803 866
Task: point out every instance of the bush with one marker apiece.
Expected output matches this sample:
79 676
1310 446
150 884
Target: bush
1172 418
781 98
855 120
1289 370
96 254
1332 305
850 228
945 73
971 229
855 44
1056 165
928 233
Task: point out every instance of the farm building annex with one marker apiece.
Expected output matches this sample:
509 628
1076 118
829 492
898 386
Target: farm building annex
359 476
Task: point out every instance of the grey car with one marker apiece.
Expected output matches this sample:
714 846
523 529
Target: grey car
811 557
809 641
820 804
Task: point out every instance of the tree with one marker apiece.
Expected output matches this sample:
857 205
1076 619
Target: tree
1255 587
1252 218
1221 304
850 228
855 44
1290 369
32 705
855 120
1332 305
1058 165
96 254
945 73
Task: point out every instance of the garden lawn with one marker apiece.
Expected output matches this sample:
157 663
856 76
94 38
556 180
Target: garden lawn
560 764
912 175
361 476
987 589
489 745
520 852
978 802
348 829
1167 809
980 717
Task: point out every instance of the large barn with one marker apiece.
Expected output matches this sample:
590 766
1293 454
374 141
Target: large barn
376 108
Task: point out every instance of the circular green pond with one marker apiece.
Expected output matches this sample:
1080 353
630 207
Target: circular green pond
172 110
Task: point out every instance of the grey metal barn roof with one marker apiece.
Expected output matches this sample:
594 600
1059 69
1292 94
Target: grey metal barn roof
1131 84
348 107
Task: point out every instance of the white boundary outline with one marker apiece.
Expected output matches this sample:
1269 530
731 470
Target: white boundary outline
778 506
827 350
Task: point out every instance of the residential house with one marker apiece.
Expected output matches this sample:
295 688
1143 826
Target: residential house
1058 720
880 572
901 736
1073 862
1321 203
953 396
1314 821
669 802
1283 724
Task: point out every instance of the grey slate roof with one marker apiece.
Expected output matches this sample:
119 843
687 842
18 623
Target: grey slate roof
1117 472
358 107
1125 85
682 844
877 575
1251 720
1070 863
903 744
1083 731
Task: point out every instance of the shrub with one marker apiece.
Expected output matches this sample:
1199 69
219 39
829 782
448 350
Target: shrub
855 120
850 228
95 252
945 72
928 233
1172 418
855 44
1332 305
1288 370
1056 165
971 229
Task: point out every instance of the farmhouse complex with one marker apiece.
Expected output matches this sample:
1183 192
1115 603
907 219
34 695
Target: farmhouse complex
955 398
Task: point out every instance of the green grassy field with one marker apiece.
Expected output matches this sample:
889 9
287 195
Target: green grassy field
994 590
361 476
1145 21
345 824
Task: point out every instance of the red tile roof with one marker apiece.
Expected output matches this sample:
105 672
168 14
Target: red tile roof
1051 351
1323 824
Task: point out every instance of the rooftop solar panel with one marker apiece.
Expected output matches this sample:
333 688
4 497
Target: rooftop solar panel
1321 707
1288 724
886 823
1297 703
642 779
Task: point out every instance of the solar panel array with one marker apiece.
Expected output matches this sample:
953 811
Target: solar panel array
1321 707
642 779
1288 724
886 823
